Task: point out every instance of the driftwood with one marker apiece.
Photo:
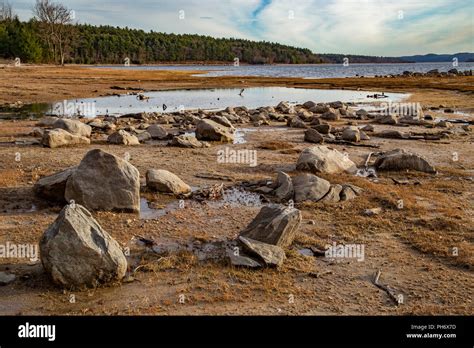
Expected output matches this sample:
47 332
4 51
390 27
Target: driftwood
398 299
350 143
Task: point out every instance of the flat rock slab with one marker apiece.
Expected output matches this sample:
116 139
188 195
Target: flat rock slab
275 225
271 255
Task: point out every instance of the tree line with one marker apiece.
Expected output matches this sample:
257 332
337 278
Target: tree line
52 37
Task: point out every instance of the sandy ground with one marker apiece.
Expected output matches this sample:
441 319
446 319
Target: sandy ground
412 246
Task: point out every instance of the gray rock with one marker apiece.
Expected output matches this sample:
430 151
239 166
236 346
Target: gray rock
368 128
337 105
320 109
144 136
322 159
166 182
386 119
59 138
331 115
187 141
296 122
309 104
241 260
334 194
351 134
403 160
122 137
157 132
222 120
313 136
213 131
349 192
103 181
309 187
76 252
53 187
275 225
323 128
74 127
6 278
47 121
271 255
284 191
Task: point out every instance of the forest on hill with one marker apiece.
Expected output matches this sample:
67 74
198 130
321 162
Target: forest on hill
53 37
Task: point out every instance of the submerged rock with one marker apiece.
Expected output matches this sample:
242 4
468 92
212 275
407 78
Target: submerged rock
166 182
276 225
76 252
322 159
104 181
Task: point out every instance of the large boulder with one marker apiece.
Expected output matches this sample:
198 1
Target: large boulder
309 187
59 137
276 225
122 137
74 127
322 159
103 181
271 255
403 160
53 187
213 131
166 182
76 252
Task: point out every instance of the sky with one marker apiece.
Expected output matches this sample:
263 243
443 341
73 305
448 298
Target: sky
366 27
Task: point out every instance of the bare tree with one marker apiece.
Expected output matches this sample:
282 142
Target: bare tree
56 20
6 12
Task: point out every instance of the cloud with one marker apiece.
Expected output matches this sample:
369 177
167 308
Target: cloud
372 27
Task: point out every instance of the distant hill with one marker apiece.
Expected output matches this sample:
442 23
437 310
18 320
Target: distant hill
434 58
339 59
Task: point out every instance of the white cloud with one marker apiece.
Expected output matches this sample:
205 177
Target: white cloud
332 26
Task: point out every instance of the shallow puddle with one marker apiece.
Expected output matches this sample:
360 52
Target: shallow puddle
209 99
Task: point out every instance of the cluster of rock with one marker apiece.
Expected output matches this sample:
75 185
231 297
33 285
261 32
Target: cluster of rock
105 182
102 181
432 73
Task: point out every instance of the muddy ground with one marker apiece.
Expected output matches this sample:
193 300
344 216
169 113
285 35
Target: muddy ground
413 246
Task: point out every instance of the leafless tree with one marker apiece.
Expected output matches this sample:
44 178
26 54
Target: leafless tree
6 12
56 20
